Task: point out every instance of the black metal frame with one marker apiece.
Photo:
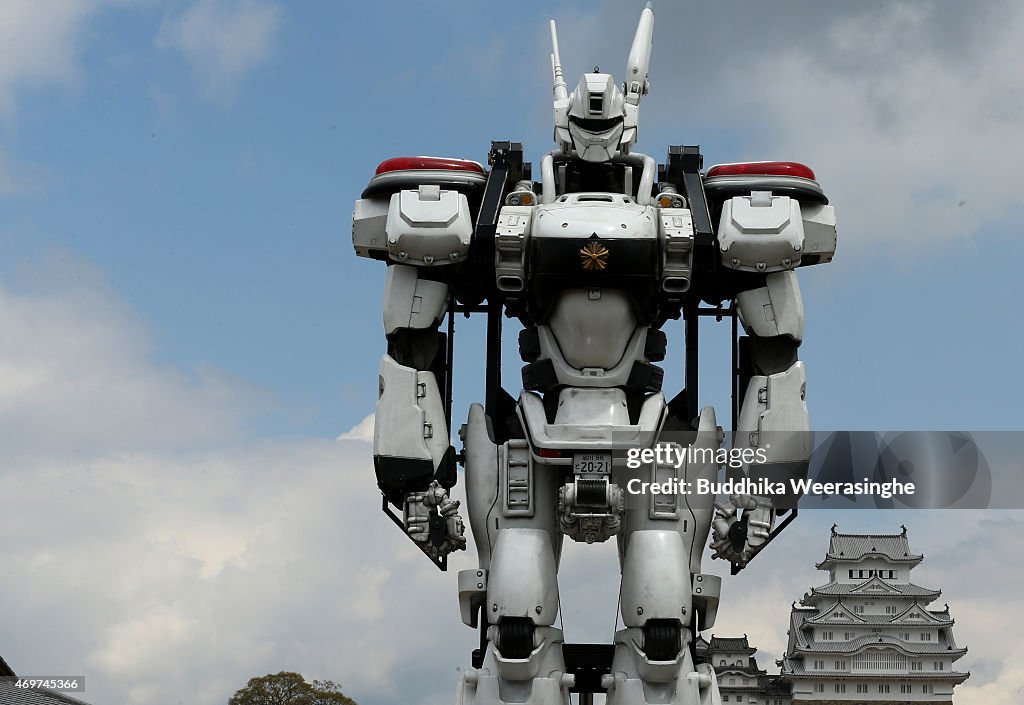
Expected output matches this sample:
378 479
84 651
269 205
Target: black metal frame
588 662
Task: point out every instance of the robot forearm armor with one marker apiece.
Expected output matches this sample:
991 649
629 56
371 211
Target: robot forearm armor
410 442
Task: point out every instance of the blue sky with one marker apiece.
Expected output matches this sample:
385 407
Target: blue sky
187 330
213 192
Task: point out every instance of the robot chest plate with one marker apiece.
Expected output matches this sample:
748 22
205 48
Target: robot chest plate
601 240
593 240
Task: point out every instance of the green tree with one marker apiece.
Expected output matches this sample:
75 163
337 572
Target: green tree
328 693
288 688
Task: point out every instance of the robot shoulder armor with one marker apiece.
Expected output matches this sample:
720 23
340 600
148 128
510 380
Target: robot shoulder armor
415 210
764 232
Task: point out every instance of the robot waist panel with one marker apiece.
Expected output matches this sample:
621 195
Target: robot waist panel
555 443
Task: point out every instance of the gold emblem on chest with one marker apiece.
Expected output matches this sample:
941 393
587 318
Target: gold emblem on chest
594 256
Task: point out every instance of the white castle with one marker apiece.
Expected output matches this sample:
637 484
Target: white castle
739 678
868 636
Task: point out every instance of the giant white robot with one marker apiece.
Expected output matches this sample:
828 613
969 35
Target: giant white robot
593 260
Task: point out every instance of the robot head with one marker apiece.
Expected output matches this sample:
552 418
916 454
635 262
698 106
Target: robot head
596 115
598 121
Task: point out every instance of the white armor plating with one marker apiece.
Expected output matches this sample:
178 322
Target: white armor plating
676 234
577 432
761 232
775 309
774 409
428 226
409 409
411 302
593 260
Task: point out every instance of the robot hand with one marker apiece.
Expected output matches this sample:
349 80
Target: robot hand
432 520
739 538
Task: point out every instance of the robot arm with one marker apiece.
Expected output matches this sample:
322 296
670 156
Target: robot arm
774 218
414 462
415 216
773 419
410 443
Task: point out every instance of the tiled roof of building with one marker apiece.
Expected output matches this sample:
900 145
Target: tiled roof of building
773 685
943 646
875 585
753 671
800 642
826 615
879 619
738 643
852 547
932 617
797 638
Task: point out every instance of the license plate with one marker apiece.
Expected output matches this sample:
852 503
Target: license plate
592 463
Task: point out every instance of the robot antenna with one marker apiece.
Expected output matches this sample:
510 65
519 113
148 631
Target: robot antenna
556 67
640 57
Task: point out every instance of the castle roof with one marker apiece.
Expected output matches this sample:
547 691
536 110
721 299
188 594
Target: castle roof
914 615
844 548
797 638
943 646
773 685
874 586
802 619
736 643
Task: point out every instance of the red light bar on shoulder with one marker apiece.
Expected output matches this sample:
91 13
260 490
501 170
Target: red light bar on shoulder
441 163
761 169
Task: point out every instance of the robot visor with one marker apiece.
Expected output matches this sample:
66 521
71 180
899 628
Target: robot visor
597 125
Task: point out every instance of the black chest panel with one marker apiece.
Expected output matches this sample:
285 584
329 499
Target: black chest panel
628 264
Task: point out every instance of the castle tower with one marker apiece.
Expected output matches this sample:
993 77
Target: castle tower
868 636
733 659
739 678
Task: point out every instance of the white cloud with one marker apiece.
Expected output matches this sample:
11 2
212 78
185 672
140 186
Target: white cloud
149 528
222 39
909 112
228 563
362 431
918 149
77 374
38 43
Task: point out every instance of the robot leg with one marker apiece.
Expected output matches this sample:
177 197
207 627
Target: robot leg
512 514
663 589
